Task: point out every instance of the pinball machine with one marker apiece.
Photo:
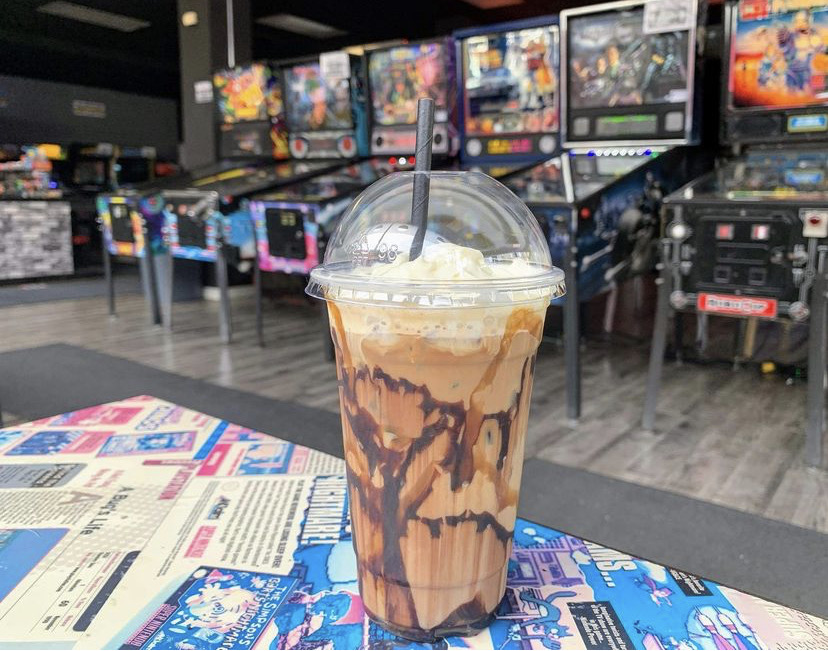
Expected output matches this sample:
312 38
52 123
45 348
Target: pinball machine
626 111
325 107
293 223
749 240
397 77
210 221
132 225
202 216
508 90
250 108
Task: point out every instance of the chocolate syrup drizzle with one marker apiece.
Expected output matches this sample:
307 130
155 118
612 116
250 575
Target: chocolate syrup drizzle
390 505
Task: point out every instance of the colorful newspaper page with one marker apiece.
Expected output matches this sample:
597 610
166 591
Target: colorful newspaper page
143 525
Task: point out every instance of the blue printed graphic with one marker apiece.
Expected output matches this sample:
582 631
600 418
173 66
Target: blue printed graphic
214 608
266 459
9 435
129 444
215 435
45 442
20 551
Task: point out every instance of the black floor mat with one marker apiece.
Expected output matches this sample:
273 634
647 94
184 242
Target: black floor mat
42 291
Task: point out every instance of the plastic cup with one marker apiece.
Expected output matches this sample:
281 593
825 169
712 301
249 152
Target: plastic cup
435 360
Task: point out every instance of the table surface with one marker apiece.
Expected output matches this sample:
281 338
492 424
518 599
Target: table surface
142 524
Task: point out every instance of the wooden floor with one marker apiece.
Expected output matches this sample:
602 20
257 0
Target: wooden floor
732 438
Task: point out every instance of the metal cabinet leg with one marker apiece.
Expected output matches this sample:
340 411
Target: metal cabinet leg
572 333
225 324
678 336
611 306
164 267
110 283
658 347
148 286
814 434
257 282
702 322
155 306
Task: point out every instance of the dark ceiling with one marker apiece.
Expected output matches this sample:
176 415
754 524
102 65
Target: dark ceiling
146 61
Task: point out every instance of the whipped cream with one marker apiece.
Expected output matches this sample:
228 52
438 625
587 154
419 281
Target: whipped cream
446 261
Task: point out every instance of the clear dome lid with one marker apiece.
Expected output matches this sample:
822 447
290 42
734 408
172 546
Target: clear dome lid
482 246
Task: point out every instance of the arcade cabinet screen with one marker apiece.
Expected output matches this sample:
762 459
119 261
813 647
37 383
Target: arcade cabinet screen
613 62
778 59
401 75
134 170
315 102
247 93
510 82
90 172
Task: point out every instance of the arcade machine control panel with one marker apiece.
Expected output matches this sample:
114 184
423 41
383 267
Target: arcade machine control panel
748 238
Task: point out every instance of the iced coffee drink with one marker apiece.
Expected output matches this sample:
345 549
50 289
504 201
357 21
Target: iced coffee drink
435 358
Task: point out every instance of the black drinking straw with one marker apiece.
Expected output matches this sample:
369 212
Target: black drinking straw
422 153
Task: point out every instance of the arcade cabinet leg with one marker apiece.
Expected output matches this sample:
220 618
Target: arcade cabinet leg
659 345
816 370
148 285
702 321
225 325
257 282
110 284
155 298
678 336
611 306
164 265
572 334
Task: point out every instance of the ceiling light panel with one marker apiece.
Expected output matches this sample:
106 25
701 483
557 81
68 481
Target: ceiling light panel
85 14
299 25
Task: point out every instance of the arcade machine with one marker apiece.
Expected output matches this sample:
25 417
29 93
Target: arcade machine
326 119
131 224
749 240
132 216
197 215
397 77
508 90
35 218
293 223
250 113
101 168
209 221
628 102
134 165
325 107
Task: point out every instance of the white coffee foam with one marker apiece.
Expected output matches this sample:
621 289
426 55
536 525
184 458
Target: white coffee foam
447 261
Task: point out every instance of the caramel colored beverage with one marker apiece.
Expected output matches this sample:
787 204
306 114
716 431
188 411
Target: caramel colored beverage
435 354
434 413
